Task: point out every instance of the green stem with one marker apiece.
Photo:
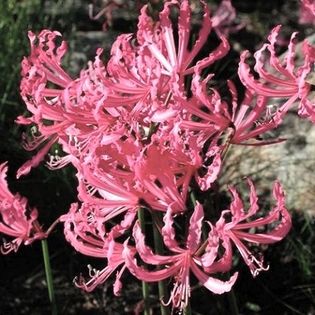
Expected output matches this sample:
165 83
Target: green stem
187 310
145 285
163 292
49 277
193 198
232 303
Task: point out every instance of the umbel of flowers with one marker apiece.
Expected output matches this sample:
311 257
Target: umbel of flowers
144 140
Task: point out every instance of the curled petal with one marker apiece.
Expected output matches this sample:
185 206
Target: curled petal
214 285
277 224
168 232
143 274
34 161
210 177
211 252
224 264
144 251
195 225
4 189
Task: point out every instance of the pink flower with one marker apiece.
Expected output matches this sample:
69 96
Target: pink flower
241 227
68 113
182 261
85 230
134 90
279 79
141 76
17 221
237 121
163 176
119 177
177 59
137 89
41 69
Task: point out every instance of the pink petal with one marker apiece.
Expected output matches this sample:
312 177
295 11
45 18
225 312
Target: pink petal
35 160
145 275
212 173
4 189
195 225
168 232
224 264
145 252
214 285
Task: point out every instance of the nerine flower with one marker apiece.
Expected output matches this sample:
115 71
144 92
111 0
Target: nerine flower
210 116
16 220
181 261
119 176
176 58
133 91
244 226
141 74
281 79
42 85
85 230
63 110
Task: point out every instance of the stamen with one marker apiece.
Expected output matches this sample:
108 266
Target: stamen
271 111
32 142
8 247
93 273
56 162
256 265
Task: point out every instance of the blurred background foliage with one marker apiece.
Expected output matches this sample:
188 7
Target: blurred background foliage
289 286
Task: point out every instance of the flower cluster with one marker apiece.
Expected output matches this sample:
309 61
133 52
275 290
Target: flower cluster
146 133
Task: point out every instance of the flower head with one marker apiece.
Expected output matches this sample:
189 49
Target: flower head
241 227
176 58
16 221
84 229
281 79
182 259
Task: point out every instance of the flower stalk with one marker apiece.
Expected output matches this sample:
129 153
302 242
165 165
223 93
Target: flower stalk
49 277
232 302
162 286
187 310
145 285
